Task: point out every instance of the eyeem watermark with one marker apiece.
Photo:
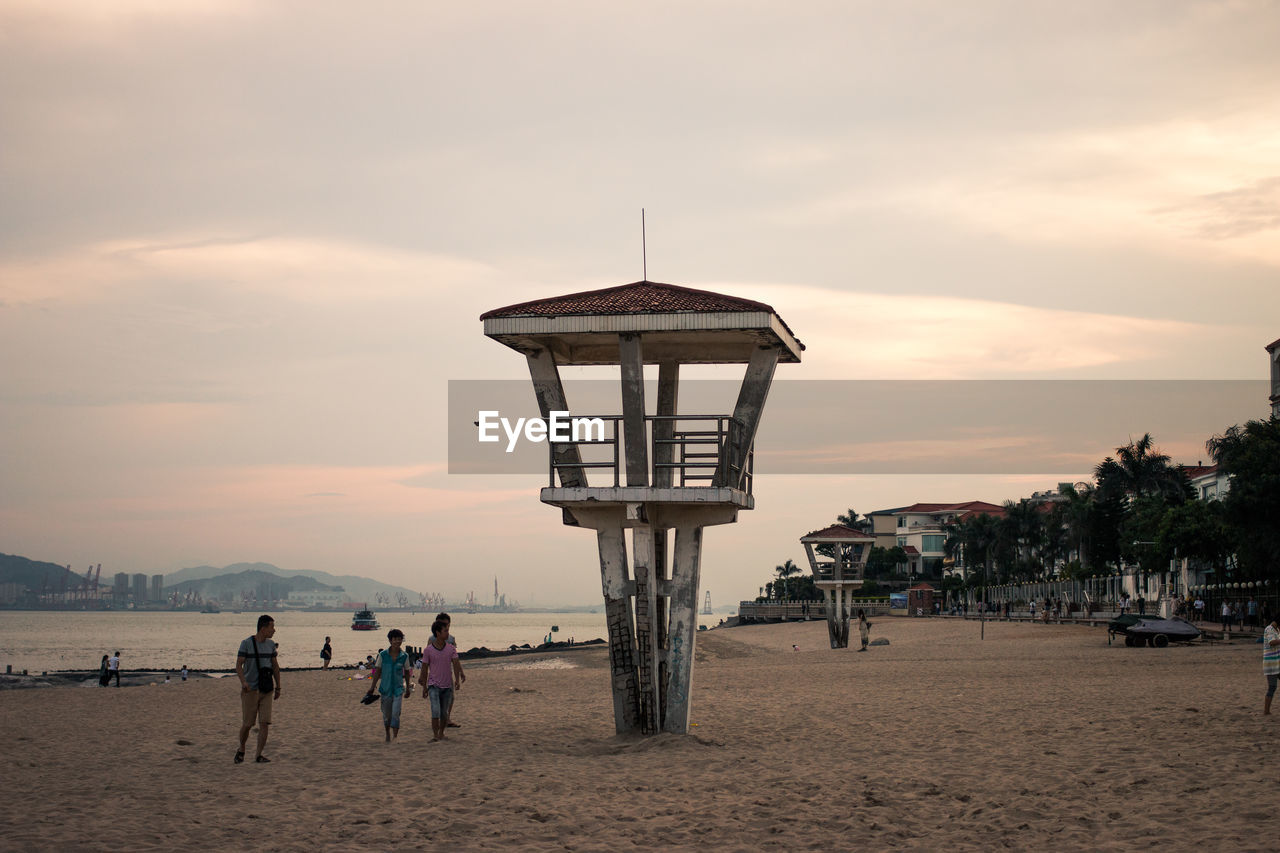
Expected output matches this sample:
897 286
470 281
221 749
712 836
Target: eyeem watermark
559 428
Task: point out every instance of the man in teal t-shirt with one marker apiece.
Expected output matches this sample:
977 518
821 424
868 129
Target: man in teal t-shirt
391 676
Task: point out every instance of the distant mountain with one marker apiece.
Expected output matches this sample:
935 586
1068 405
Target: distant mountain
358 589
202 572
264 585
36 576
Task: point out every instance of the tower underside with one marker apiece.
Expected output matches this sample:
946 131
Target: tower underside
650 588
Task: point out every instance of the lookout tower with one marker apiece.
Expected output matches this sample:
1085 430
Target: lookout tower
668 471
840 575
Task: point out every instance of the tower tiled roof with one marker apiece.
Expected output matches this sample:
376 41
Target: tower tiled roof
679 324
639 297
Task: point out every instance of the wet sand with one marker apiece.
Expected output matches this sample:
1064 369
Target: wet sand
1039 735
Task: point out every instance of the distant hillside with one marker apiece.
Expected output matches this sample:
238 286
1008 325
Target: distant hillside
210 581
260 584
34 575
196 573
358 589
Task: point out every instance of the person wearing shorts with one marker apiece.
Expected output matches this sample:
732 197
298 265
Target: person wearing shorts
256 661
441 675
1271 660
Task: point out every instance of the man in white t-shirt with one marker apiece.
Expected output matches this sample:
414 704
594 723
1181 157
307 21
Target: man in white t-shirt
113 668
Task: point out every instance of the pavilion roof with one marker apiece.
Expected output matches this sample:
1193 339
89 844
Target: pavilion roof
837 533
679 324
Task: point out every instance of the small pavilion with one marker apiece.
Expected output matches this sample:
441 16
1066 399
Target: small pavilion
664 470
840 575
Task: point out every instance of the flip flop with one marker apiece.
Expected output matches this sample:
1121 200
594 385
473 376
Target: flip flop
453 725
262 759
240 757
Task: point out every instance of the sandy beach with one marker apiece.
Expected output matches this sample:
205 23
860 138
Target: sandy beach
1037 736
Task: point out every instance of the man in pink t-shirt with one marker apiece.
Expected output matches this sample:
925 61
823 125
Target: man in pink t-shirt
437 680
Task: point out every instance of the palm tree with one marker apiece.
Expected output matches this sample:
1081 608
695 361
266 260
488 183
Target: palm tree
974 540
1077 517
786 571
1141 469
1023 529
851 520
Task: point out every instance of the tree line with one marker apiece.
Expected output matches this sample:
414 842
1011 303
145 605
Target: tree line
1139 510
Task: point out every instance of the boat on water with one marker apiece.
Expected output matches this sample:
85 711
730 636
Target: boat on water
210 607
364 620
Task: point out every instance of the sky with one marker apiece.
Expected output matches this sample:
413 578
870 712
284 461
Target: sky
244 246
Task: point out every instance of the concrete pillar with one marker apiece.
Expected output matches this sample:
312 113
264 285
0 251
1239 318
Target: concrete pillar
635 441
746 414
617 608
668 398
647 650
551 398
834 611
685 569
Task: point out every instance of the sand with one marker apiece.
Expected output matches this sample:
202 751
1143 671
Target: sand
1036 737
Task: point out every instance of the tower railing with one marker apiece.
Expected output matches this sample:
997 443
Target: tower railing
695 449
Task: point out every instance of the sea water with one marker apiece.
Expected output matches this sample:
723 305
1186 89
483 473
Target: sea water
47 640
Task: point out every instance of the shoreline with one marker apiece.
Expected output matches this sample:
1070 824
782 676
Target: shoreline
145 677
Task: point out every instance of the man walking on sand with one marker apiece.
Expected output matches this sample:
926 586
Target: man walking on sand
259 673
391 675
1271 660
448 626
113 668
441 675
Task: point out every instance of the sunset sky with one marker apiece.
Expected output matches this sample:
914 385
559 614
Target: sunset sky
244 246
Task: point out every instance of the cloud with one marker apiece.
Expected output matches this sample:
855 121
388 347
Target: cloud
854 335
1240 212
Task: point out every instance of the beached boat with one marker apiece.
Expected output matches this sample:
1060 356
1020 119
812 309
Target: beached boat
1160 632
364 620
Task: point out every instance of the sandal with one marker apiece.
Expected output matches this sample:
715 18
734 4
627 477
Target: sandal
240 757
262 759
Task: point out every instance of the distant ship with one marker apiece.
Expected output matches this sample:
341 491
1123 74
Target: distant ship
364 620
210 607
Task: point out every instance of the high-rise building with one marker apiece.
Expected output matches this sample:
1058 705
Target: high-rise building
120 590
157 587
139 587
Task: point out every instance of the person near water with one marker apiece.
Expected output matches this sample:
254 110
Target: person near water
391 677
113 667
448 624
104 672
258 671
326 654
441 675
